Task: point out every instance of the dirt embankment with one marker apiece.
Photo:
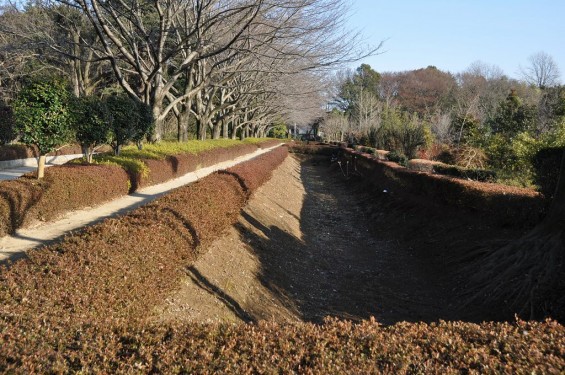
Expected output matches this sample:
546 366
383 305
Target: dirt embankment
310 245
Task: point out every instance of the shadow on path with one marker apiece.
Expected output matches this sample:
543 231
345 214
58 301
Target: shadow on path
352 265
202 282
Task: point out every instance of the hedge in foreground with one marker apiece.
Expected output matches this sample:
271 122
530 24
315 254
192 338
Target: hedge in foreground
116 272
335 347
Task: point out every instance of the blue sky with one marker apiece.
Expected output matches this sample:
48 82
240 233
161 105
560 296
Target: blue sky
452 34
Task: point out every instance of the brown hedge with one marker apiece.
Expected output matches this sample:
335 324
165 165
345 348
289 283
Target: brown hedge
335 347
115 272
79 306
178 165
509 205
71 187
64 188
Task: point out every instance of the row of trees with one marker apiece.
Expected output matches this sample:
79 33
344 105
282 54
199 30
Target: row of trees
479 118
47 116
218 68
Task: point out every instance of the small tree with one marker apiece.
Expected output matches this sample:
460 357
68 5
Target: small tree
42 117
91 124
130 120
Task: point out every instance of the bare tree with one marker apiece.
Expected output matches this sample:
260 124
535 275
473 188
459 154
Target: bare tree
335 126
366 113
542 71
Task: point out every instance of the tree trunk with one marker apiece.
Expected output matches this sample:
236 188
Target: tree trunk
216 130
202 127
159 123
182 125
225 126
85 152
41 167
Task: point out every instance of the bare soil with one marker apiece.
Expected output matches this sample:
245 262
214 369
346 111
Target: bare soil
312 244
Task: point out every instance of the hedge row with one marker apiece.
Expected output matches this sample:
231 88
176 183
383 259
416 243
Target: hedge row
64 188
69 187
335 347
115 273
79 306
510 205
311 148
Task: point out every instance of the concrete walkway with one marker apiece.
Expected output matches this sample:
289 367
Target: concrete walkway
12 169
14 246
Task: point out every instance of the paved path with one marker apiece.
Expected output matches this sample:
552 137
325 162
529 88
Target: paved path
13 247
12 169
13 173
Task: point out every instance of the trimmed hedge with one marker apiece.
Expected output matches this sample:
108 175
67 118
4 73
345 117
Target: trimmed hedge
335 347
74 186
312 148
116 272
423 165
64 188
510 205
80 306
481 175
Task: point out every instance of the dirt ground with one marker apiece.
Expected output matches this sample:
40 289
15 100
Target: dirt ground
311 244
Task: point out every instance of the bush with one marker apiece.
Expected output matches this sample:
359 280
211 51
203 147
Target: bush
547 163
7 132
42 114
131 120
397 158
507 205
482 175
43 117
64 188
116 272
75 186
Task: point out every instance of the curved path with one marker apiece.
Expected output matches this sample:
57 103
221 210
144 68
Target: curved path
14 246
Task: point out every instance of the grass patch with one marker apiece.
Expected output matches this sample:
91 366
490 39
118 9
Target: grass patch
161 150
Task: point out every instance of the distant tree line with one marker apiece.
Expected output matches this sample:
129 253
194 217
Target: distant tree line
479 118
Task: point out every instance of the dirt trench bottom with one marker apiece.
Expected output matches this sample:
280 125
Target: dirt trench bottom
303 249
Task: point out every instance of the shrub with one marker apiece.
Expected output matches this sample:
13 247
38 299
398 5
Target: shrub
482 175
115 272
547 163
131 120
397 158
422 165
63 188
